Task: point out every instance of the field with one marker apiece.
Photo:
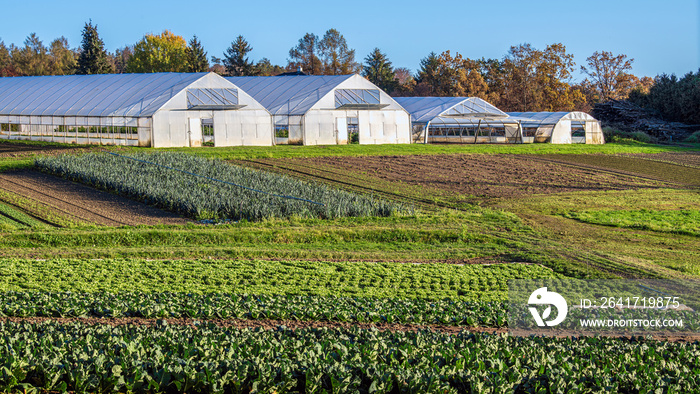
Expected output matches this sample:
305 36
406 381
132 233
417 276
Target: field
106 288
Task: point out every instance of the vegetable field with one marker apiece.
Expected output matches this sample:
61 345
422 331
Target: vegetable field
340 279
208 358
320 277
211 189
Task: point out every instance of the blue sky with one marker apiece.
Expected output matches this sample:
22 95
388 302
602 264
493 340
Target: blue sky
662 37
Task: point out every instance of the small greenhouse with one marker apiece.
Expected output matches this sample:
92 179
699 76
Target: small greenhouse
559 127
157 110
328 110
459 120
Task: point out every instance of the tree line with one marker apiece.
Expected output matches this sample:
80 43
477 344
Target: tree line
525 79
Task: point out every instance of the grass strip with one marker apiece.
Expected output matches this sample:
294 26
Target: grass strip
685 222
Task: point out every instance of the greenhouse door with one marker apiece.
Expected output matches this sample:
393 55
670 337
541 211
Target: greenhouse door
341 127
195 131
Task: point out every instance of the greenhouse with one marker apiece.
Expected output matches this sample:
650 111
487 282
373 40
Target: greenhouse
157 110
328 110
459 120
560 127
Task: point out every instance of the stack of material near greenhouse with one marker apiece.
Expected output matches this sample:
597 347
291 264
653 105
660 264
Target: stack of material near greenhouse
157 110
329 110
459 120
560 127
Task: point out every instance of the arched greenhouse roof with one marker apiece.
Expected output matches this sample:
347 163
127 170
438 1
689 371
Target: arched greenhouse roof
427 109
289 95
549 118
100 95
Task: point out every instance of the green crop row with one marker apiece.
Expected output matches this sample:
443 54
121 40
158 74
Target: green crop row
230 306
14 218
158 179
343 279
39 210
208 358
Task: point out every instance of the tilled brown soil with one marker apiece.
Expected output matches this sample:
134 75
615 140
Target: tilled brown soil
8 149
648 166
486 176
689 159
82 202
267 324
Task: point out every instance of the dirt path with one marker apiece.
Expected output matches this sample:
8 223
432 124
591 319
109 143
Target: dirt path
83 202
267 324
14 149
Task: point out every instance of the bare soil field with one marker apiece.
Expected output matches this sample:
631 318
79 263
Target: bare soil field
83 202
689 159
678 168
8 149
484 176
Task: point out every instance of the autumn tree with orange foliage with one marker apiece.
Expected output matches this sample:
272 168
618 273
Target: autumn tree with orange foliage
447 75
529 79
609 75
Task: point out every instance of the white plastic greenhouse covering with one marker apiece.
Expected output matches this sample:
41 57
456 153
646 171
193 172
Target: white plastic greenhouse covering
323 110
459 120
158 109
560 127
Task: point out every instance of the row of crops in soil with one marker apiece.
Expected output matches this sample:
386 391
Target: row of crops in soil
308 308
210 188
11 218
254 307
210 358
341 279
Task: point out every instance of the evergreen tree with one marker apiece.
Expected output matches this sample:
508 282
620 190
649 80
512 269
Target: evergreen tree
265 68
120 59
196 57
236 60
93 58
378 70
427 79
62 58
6 66
338 59
33 58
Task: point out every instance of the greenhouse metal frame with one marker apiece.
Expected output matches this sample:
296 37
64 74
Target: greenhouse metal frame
560 127
459 120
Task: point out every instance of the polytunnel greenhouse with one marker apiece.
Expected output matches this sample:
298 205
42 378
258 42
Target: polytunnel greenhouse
459 120
157 110
560 127
328 110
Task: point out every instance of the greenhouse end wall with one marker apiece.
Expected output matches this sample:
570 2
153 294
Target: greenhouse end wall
329 127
